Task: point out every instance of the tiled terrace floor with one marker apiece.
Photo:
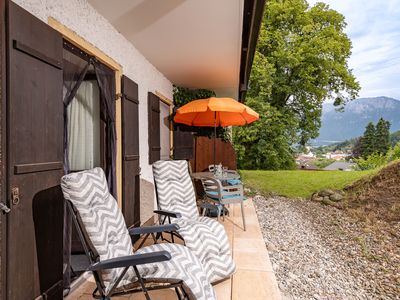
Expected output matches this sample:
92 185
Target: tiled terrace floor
254 278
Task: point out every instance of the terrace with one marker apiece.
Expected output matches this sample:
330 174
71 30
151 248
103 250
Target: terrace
254 278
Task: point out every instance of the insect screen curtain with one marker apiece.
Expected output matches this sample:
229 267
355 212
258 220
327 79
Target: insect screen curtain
76 65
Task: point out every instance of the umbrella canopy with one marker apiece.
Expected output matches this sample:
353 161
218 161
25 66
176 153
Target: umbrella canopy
215 112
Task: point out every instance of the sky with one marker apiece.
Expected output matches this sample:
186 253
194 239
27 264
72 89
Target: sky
374 29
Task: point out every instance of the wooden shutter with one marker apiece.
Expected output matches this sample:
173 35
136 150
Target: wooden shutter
3 163
35 158
183 144
154 127
130 152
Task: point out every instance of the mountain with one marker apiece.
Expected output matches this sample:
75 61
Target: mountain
339 126
349 144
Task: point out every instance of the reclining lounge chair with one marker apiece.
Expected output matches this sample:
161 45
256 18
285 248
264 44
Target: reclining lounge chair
107 243
177 204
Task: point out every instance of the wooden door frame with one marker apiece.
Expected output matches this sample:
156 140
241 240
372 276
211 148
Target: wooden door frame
3 149
72 37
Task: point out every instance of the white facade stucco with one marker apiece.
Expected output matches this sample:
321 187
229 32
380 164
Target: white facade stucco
80 17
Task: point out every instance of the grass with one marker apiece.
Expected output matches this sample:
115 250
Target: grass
298 183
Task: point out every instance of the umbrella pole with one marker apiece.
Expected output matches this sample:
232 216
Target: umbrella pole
215 137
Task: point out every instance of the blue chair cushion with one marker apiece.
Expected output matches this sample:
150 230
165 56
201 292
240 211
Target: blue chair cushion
234 181
214 195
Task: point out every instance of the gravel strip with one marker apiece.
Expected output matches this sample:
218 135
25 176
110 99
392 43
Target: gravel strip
320 252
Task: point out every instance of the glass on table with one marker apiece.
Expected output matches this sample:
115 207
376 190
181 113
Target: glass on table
224 172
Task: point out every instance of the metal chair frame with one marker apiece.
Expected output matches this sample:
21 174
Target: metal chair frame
126 262
224 195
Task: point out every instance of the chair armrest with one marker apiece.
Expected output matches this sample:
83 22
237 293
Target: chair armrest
153 229
210 181
167 213
131 260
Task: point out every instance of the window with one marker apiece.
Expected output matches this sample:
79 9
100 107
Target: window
89 133
89 127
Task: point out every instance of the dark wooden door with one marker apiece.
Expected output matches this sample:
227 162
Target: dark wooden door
130 152
35 155
154 127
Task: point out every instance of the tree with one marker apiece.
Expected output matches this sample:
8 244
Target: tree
301 60
376 140
368 141
183 96
382 136
265 144
394 138
357 148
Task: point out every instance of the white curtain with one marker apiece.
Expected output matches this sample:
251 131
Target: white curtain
84 128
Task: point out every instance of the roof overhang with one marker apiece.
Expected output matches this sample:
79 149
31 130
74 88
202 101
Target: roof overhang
195 44
252 19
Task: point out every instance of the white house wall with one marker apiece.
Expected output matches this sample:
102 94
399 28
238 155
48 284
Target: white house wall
82 18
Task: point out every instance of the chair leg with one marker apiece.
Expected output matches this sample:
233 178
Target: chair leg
204 211
143 286
185 295
244 221
178 293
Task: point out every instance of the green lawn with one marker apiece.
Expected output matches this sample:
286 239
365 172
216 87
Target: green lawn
297 183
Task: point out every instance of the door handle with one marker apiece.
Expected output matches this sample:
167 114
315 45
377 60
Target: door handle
4 208
15 195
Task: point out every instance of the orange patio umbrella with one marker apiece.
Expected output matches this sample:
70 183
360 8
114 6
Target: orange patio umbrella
215 112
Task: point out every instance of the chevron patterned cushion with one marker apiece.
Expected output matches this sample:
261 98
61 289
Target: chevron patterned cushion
106 228
184 265
204 236
208 241
104 224
175 188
